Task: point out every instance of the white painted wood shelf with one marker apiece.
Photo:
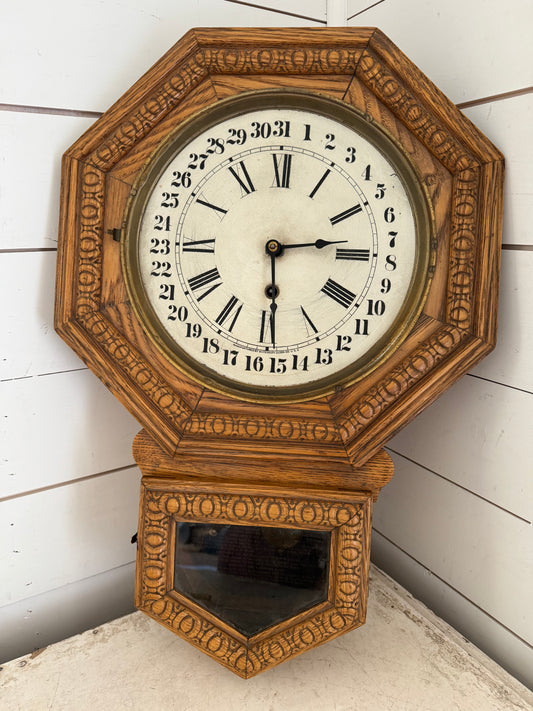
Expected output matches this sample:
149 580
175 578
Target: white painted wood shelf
404 659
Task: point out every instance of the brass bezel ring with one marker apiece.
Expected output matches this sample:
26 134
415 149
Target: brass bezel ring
371 131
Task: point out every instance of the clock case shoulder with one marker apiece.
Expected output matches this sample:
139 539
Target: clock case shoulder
460 169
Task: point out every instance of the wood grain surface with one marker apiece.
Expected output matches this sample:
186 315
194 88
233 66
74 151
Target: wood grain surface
460 169
347 516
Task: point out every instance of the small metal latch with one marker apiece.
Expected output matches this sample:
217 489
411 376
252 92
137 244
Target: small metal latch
116 233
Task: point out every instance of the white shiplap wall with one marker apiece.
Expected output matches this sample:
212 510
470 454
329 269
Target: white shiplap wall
454 526
68 485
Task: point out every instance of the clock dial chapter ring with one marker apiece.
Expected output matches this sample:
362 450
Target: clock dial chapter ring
241 228
277 267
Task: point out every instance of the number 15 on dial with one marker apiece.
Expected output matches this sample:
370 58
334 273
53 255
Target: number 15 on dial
278 246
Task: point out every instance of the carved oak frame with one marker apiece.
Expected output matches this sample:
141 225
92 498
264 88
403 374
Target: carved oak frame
460 168
347 516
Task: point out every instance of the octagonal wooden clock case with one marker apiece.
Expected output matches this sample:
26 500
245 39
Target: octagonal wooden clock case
275 250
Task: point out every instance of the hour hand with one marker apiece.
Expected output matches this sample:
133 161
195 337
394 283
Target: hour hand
319 243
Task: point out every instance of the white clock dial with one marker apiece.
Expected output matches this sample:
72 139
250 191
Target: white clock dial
277 252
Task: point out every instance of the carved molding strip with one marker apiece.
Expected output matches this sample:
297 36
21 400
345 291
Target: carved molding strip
89 267
160 511
135 368
89 283
464 218
255 427
221 60
250 508
144 116
404 376
298 639
281 60
378 77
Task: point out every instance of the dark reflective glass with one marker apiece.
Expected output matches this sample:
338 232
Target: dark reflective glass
251 577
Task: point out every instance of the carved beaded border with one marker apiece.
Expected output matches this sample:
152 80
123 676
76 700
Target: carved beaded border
378 77
161 508
380 397
437 138
87 312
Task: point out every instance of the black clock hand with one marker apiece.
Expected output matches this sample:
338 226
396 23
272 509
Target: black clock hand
273 249
319 244
273 293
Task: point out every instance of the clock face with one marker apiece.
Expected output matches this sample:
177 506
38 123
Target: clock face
278 246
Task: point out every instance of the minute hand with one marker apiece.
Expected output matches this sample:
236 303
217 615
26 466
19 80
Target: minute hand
319 244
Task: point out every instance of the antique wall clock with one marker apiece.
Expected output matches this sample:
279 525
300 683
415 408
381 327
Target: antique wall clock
275 249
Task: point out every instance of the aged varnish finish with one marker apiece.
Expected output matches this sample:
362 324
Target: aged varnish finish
306 463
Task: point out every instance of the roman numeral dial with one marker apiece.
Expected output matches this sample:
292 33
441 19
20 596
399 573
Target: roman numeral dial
350 212
358 255
282 169
286 249
211 206
205 283
229 314
309 325
338 293
241 175
319 183
265 330
205 246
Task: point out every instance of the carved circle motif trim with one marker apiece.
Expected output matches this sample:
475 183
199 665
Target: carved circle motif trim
162 508
203 424
465 202
220 60
432 132
452 154
281 60
400 379
90 240
144 116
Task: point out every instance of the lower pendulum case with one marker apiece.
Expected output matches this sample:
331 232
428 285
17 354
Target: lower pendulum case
253 570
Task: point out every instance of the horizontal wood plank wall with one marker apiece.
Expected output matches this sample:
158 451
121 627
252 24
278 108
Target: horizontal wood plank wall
68 485
455 524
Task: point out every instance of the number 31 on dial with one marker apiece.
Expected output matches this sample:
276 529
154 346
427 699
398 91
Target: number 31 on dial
278 246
